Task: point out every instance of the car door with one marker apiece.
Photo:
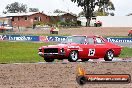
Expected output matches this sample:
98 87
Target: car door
89 50
100 47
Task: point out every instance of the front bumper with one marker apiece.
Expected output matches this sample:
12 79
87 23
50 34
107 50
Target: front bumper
52 54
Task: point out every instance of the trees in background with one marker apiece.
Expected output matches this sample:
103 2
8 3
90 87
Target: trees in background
104 8
82 13
88 7
16 8
33 10
59 11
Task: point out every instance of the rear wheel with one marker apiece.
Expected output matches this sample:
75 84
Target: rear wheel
109 56
73 57
48 59
84 60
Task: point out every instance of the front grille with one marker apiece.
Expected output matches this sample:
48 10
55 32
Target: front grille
51 50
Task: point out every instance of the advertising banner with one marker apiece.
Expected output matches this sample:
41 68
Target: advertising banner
22 38
43 38
119 39
56 38
52 38
3 37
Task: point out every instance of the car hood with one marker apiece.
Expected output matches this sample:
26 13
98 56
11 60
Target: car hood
69 45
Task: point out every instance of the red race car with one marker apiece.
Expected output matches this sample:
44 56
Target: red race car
80 47
130 33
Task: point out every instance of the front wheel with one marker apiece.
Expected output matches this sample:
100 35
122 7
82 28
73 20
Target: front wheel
48 59
109 56
73 57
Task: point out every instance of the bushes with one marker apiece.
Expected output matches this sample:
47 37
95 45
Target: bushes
60 23
65 24
39 23
42 23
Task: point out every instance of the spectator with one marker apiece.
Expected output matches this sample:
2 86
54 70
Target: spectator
34 25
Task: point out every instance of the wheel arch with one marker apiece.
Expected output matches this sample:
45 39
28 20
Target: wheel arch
110 50
74 50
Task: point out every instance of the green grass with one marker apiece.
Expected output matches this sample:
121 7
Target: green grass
16 52
126 53
58 35
27 52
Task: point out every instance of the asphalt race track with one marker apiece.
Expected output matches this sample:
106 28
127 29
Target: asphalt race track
125 44
101 60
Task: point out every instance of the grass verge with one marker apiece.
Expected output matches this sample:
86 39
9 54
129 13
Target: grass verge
20 52
26 52
126 53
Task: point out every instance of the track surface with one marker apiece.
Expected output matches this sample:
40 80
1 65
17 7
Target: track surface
125 44
58 75
101 60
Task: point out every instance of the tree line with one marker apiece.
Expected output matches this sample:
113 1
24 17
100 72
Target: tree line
18 8
88 7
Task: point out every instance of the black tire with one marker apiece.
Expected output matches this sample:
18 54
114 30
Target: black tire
48 59
73 57
81 80
84 60
109 55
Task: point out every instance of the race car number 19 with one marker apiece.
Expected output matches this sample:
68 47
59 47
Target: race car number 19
91 52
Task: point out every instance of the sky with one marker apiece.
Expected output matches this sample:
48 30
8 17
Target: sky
122 7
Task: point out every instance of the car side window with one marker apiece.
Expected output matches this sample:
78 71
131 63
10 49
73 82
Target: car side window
99 41
90 40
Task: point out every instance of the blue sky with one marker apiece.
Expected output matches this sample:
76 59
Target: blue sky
123 7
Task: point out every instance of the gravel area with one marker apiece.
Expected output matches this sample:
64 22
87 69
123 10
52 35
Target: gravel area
103 31
58 75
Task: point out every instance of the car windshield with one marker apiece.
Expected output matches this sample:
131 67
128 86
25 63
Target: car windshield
75 39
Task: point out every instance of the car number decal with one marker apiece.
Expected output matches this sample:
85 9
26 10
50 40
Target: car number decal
91 52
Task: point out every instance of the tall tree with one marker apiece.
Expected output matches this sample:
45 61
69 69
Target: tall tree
105 6
88 7
33 9
81 13
16 7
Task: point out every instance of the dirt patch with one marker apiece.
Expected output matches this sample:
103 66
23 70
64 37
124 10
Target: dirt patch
103 31
58 75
